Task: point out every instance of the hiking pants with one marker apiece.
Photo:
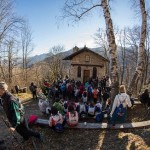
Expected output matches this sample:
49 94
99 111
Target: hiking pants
25 132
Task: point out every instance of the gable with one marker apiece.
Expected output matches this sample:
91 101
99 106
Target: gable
83 50
88 58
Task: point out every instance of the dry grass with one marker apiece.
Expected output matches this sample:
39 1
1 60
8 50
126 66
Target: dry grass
24 96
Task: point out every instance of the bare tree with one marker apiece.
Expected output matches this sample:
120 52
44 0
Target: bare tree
9 27
55 62
100 38
27 48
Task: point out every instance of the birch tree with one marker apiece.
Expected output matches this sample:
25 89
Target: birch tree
141 53
77 9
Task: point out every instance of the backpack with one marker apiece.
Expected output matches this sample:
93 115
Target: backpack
120 109
63 87
82 108
73 119
91 110
89 89
99 117
20 106
95 94
59 127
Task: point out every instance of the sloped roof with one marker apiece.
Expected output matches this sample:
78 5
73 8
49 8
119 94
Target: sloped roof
85 49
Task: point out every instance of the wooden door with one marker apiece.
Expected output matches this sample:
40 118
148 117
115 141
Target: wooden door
86 75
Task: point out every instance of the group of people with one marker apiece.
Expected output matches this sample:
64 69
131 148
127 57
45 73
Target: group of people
71 100
87 99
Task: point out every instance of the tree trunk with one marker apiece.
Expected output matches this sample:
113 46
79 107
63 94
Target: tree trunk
141 53
112 50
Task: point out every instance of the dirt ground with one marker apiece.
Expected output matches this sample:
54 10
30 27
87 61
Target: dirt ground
81 139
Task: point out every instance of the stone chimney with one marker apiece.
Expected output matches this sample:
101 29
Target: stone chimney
75 49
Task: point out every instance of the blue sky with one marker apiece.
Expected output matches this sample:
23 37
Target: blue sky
41 15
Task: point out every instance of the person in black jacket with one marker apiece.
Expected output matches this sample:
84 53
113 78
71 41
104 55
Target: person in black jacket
33 89
145 97
15 118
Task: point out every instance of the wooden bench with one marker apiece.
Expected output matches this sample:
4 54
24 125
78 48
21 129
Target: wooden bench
142 124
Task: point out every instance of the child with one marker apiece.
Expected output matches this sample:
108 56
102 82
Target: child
98 107
56 120
72 116
91 109
84 97
43 103
58 104
95 94
82 109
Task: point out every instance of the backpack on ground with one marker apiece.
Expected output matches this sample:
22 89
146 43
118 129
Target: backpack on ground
120 109
73 118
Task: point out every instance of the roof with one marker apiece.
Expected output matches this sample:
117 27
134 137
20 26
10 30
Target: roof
85 49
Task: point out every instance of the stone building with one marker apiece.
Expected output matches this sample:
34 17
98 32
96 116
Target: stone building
85 64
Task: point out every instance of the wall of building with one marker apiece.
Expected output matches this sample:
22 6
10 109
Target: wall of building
81 59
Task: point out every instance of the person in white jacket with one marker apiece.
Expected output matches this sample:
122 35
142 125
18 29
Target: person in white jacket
121 98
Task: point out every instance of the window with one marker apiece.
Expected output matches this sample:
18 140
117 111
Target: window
87 58
79 72
94 72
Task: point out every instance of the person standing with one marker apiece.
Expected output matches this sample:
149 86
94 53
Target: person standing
33 89
17 89
14 115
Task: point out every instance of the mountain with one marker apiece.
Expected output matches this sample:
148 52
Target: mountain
41 57
37 58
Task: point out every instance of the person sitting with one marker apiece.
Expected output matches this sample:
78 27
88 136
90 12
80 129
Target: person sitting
91 109
56 120
144 98
84 97
82 109
43 103
119 108
72 116
59 105
95 94
98 107
105 96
